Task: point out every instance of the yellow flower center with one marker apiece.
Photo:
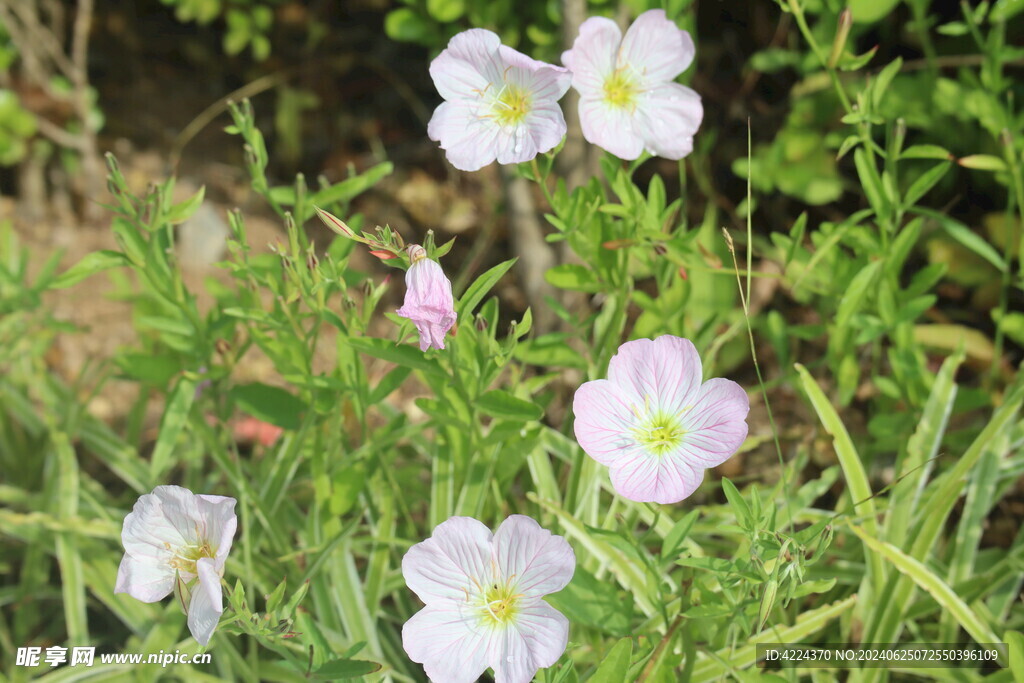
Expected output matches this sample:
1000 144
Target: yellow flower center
499 604
659 433
511 105
620 89
185 560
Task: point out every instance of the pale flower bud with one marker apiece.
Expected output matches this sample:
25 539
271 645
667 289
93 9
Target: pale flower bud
428 299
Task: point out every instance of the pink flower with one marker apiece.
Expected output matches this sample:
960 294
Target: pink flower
628 100
483 600
499 103
428 299
654 424
177 541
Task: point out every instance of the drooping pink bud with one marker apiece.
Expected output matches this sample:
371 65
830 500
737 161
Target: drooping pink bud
428 299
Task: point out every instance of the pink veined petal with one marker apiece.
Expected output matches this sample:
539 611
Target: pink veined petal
547 126
516 144
467 65
180 508
605 420
510 57
532 558
207 602
144 580
470 141
549 83
148 529
610 127
592 57
666 371
535 640
452 647
717 425
428 302
668 116
655 48
454 560
220 522
652 479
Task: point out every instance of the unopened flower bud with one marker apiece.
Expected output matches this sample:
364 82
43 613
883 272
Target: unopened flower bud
428 299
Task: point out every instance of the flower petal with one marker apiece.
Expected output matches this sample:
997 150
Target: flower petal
605 420
219 522
610 127
665 372
716 426
655 48
535 560
455 559
143 579
516 144
428 302
668 116
160 522
467 65
592 57
547 126
451 647
536 640
651 479
207 602
470 142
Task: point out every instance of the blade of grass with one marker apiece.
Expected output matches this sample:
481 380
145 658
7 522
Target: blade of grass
853 471
68 557
935 586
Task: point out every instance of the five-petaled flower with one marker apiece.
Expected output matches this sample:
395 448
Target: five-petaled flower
428 299
654 424
628 100
177 541
483 600
499 103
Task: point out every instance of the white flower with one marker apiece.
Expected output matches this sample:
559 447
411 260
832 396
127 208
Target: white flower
176 540
628 100
499 104
484 600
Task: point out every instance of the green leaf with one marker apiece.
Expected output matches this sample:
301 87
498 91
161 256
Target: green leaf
270 404
983 162
478 290
446 10
351 188
337 669
90 264
405 24
926 152
179 403
739 506
574 277
673 541
615 667
849 460
400 354
500 403
925 182
1015 641
597 604
179 213
965 236
938 589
